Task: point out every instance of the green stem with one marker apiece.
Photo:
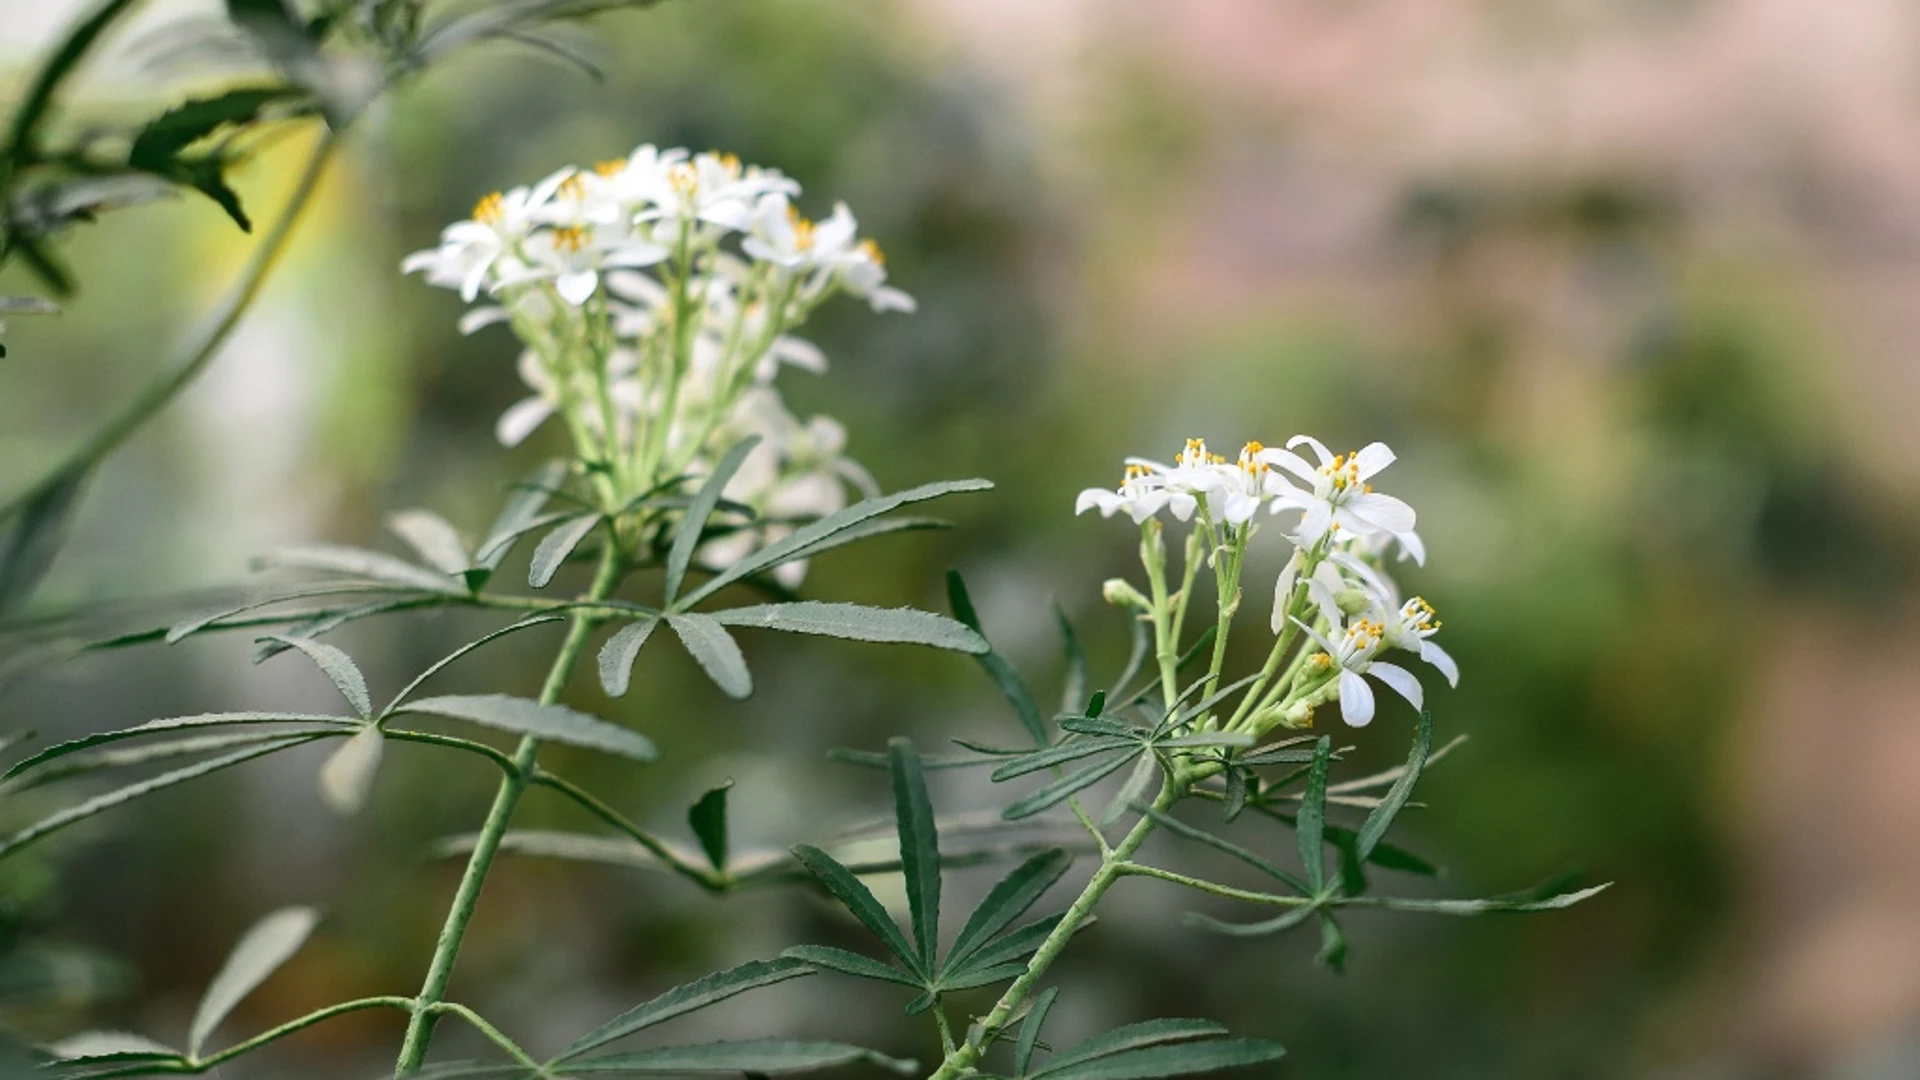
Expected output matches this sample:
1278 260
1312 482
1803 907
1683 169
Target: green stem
466 897
169 385
1112 868
705 878
1134 869
195 1066
494 1034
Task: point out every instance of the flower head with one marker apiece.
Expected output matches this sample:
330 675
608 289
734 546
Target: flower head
1338 495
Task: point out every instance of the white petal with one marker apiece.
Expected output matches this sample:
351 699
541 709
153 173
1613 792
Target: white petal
576 286
801 354
1240 507
1313 524
1372 459
520 420
1356 699
1283 593
886 298
1318 447
1325 645
480 318
1384 512
1400 679
1292 462
1411 547
1089 499
1441 660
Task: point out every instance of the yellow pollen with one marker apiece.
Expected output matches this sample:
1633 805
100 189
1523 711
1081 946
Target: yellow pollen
573 187
684 178
872 251
569 238
729 163
489 210
610 168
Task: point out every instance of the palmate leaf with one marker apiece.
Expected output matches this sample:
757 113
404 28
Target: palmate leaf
919 849
1060 755
771 1057
1012 687
1183 1059
688 998
860 902
269 944
193 624
1073 782
119 757
851 963
1015 945
551 723
176 723
1132 1037
518 514
857 622
1007 901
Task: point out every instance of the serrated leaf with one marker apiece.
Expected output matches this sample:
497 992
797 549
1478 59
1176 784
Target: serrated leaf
1381 819
1131 1037
553 549
1059 755
708 819
1057 792
1030 1029
553 723
851 963
714 649
37 103
1477 907
919 848
338 667
1099 725
378 566
769 1056
1016 944
866 530
31 542
271 943
158 145
1313 817
1012 686
796 542
857 622
617 656
1007 901
519 512
194 624
347 777
1176 1060
859 901
172 723
433 538
688 998
687 537
123 757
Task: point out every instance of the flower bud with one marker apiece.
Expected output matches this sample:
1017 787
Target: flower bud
1120 593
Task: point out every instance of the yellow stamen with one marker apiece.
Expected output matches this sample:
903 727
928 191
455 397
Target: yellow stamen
569 238
489 210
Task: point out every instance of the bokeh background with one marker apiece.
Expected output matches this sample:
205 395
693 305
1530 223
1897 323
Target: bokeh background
1631 286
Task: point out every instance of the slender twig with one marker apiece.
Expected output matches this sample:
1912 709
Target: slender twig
498 1037
1134 869
701 876
194 1066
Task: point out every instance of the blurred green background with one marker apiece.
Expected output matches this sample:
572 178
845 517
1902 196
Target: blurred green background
1629 286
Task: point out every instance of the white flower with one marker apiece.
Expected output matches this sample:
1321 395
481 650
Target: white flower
1411 626
1352 652
470 249
712 188
585 235
1236 492
1338 495
1323 588
525 416
778 234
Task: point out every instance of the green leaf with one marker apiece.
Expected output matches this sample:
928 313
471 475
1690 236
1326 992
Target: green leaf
859 900
336 559
347 777
709 643
1030 1029
687 998
1264 928
1180 828
444 662
619 653
1016 944
1477 907
687 537
554 548
806 536
769 1056
919 848
867 530
338 666
554 723
187 627
122 757
272 941
969 976
1333 944
1313 817
38 100
1134 791
857 622
1131 1037
111 799
101 1047
1176 1060
851 963
1100 725
1008 900
1056 792
433 538
1074 694
30 544
173 723
1381 819
519 512
1012 687
158 146
1072 750
1139 645
708 819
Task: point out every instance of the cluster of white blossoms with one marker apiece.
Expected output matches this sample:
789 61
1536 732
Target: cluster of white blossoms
654 296
1334 587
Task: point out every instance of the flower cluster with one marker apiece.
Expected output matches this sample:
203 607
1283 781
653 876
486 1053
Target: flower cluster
655 297
1334 588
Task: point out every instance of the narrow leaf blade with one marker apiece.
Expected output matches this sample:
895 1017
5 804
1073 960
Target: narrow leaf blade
919 848
523 716
857 622
270 943
1381 819
715 650
617 656
687 998
687 537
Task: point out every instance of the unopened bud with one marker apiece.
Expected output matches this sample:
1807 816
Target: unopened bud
1354 601
1120 593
